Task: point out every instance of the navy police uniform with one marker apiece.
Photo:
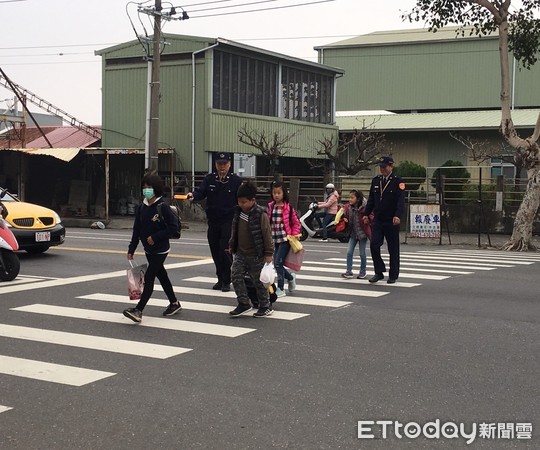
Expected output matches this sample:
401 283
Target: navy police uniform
221 201
386 201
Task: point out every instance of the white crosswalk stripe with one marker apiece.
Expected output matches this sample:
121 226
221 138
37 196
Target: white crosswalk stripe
4 408
308 288
408 264
91 342
357 264
354 281
194 306
418 276
231 295
153 322
54 373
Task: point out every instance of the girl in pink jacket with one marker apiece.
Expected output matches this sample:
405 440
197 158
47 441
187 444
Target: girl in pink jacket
283 222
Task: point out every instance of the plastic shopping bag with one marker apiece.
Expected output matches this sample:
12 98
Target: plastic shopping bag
268 274
294 260
135 277
295 244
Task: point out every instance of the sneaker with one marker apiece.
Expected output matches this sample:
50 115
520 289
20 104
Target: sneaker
217 286
391 280
347 274
291 284
239 310
225 287
173 308
133 314
263 312
361 275
280 293
323 240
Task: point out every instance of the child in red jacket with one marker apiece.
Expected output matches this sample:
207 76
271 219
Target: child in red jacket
360 232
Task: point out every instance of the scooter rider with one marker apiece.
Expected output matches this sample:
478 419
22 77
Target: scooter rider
331 204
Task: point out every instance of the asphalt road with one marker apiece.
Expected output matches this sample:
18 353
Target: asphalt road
455 340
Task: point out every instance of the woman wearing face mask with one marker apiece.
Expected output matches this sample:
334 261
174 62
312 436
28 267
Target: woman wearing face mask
153 230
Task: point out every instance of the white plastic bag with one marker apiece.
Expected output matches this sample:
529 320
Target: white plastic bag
268 274
135 277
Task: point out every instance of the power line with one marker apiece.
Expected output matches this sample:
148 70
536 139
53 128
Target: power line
262 9
231 6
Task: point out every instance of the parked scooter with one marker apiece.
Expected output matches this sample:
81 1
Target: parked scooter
9 261
309 230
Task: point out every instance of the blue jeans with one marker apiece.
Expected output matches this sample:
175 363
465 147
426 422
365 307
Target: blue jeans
350 252
280 253
327 219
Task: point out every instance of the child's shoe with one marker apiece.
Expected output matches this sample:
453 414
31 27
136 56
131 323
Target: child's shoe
280 292
361 275
240 309
263 312
347 274
292 283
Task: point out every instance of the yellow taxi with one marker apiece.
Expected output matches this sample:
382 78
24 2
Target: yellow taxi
35 227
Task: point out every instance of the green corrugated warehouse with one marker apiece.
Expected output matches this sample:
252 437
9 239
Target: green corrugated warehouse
234 86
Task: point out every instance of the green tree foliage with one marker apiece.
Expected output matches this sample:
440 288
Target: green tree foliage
413 174
517 25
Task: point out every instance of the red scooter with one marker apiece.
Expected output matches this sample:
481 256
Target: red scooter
9 261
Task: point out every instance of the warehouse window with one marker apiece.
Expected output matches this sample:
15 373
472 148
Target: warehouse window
244 84
306 96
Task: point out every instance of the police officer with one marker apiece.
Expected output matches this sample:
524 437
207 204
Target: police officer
386 201
219 188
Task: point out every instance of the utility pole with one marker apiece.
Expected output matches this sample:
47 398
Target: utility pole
151 152
154 81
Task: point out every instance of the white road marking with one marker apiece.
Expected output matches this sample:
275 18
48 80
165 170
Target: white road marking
329 290
489 254
210 292
403 266
195 306
354 281
489 262
54 373
418 276
90 278
162 323
4 408
91 342
430 264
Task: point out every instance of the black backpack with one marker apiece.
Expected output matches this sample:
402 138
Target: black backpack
178 232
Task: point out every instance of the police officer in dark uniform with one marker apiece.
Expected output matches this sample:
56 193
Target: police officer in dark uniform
219 188
386 201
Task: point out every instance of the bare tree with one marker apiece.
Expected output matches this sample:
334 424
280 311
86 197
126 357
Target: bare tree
272 146
484 150
353 153
518 31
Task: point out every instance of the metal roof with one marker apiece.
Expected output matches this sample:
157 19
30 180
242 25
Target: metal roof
64 154
444 121
228 42
412 36
59 137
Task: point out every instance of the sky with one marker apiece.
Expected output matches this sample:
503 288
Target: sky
48 46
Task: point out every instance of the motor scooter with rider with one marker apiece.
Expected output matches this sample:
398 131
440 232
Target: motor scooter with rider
334 231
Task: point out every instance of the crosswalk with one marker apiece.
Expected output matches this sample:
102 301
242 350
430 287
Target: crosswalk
320 287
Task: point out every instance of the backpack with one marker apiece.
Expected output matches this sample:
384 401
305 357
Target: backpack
174 210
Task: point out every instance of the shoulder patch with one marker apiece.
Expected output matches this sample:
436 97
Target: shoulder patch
402 186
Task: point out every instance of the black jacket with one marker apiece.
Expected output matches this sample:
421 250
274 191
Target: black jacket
148 223
220 196
386 201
